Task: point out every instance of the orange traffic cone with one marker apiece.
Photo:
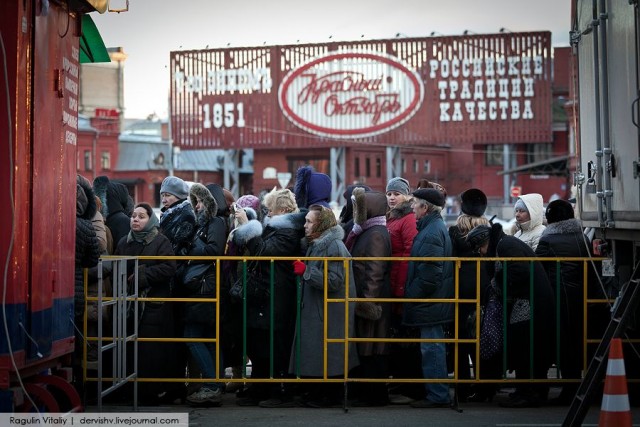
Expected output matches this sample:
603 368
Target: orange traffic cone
615 410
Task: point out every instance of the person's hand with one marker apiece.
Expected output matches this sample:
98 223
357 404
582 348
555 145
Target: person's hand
241 216
299 267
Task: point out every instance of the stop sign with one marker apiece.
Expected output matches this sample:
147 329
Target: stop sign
516 190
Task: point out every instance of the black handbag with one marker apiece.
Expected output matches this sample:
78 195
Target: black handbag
491 326
193 275
237 290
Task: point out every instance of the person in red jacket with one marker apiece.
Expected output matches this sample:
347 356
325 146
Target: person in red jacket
401 222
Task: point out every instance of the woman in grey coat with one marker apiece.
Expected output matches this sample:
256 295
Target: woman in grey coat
324 237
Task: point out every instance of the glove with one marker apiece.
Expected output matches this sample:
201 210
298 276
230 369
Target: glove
299 267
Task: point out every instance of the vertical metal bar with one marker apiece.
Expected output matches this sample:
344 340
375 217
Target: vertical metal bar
531 320
325 321
345 265
585 268
271 315
85 341
135 341
504 319
456 321
244 318
558 320
476 362
100 331
217 307
298 308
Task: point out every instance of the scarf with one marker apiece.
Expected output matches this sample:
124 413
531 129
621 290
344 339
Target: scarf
358 229
177 206
148 233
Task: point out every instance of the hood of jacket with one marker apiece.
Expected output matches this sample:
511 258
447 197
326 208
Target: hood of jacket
535 206
199 191
346 214
368 204
221 202
114 196
86 206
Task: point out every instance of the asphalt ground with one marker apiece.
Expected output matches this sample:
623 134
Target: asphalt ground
468 414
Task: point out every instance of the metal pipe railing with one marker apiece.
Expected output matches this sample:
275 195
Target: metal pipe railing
118 342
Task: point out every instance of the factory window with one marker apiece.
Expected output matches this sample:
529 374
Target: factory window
378 167
427 167
494 155
105 161
87 160
356 167
367 167
539 152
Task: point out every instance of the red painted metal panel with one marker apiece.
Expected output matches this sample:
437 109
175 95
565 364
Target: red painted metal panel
493 88
55 95
15 42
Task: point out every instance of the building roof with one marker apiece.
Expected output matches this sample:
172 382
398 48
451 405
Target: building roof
142 148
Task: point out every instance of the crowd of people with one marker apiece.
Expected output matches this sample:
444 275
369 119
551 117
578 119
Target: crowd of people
283 304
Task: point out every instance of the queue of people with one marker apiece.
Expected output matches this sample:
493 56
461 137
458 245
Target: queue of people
282 309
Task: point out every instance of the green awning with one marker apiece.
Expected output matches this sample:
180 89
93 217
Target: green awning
92 48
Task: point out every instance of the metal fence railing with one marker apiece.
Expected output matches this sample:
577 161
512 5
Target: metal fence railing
124 298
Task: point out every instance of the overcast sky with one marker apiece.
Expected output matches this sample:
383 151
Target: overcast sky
153 28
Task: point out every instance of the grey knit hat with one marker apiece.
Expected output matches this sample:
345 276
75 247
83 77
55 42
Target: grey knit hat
400 185
176 186
521 205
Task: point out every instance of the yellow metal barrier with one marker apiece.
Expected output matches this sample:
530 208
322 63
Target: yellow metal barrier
455 340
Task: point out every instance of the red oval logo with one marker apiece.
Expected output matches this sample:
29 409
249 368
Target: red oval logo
351 94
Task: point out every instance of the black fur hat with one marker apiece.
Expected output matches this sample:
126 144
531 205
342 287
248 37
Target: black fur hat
474 202
559 210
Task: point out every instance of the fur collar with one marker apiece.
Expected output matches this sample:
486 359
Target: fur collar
329 236
290 220
400 211
254 228
245 232
568 226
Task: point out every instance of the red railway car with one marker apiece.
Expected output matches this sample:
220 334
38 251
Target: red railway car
38 123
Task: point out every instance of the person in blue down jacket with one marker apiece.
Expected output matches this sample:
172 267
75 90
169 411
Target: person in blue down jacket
430 279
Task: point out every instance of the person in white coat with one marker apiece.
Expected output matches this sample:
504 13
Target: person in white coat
529 212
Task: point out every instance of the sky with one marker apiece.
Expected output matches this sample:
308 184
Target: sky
153 28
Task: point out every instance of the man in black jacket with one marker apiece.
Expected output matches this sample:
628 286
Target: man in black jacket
563 237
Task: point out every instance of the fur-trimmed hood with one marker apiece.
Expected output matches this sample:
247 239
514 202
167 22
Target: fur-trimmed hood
568 226
346 214
199 191
368 204
86 206
221 202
